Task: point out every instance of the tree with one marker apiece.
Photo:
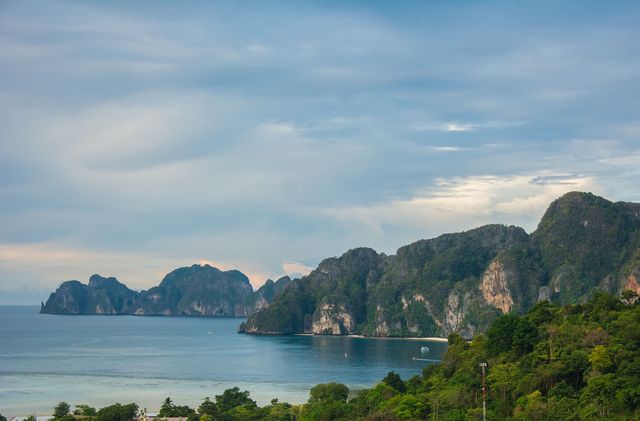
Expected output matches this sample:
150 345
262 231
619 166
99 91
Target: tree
531 407
600 392
167 408
85 410
502 378
3 418
207 407
232 398
600 359
329 392
393 379
118 412
524 336
500 334
436 395
410 407
61 409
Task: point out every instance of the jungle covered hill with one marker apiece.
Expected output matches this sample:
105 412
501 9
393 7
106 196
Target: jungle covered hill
460 282
557 363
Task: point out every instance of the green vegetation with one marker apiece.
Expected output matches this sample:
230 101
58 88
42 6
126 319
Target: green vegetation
433 287
118 412
168 409
85 410
557 363
62 412
384 295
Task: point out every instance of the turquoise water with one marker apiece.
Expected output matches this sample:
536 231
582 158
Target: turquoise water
105 359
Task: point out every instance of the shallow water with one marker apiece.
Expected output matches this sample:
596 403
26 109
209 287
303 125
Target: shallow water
100 360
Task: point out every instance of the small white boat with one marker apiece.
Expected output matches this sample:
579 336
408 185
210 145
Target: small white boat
210 332
424 349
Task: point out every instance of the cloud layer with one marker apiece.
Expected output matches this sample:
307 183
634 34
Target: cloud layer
135 138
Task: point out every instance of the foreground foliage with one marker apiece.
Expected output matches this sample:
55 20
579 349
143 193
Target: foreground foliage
571 363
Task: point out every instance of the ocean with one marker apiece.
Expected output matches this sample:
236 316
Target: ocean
100 360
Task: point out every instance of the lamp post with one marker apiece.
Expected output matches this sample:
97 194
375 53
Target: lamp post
484 392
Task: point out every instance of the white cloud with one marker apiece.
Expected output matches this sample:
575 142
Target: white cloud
447 148
467 202
457 126
294 268
452 127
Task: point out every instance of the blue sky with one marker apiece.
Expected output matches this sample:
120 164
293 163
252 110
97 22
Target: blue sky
265 136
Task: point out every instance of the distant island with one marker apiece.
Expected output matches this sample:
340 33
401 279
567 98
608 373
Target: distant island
453 283
189 291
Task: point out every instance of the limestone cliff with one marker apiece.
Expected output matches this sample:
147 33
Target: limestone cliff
332 319
460 282
494 287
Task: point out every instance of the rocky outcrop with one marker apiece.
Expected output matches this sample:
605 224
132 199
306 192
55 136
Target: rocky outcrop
631 283
261 298
494 287
332 319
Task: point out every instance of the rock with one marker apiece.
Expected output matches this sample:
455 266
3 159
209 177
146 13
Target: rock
332 319
494 287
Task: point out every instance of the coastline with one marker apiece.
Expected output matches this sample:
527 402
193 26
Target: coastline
406 338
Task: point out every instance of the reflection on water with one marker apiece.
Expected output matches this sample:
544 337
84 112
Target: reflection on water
104 359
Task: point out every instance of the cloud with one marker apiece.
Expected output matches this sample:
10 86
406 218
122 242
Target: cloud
52 263
468 126
177 133
468 201
447 148
459 127
296 268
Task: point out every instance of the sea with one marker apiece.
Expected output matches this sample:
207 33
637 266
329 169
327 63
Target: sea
101 360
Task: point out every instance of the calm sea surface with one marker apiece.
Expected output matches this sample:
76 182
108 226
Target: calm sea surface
101 360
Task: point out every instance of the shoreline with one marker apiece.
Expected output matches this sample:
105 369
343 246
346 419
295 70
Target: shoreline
406 338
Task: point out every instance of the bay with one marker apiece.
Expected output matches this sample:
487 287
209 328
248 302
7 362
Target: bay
101 360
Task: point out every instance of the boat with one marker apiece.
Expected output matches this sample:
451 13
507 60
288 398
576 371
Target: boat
424 349
210 332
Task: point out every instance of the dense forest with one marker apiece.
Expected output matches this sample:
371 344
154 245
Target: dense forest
562 363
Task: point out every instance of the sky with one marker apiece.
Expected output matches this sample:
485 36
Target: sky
138 137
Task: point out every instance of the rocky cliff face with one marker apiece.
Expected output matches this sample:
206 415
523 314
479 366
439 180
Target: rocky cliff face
261 298
332 319
461 282
189 291
494 287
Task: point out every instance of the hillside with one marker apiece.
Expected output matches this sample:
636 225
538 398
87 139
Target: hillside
461 282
